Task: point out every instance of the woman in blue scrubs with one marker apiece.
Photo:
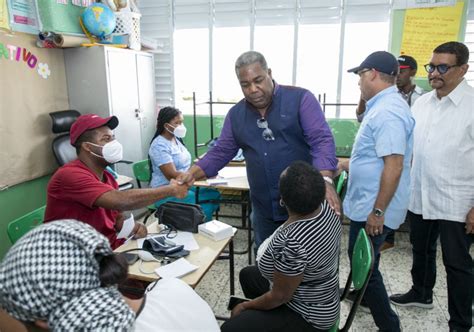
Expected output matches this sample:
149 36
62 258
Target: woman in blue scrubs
169 157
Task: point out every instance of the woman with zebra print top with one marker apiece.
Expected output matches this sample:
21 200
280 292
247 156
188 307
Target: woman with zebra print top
295 285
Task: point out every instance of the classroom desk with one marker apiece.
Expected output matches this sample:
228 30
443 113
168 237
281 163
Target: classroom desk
241 185
209 250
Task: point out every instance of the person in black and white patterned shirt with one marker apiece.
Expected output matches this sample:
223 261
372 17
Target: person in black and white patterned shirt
295 283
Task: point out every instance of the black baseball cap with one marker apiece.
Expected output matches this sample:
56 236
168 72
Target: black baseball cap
406 61
381 61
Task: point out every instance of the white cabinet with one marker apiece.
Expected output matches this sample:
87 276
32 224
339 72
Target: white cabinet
111 81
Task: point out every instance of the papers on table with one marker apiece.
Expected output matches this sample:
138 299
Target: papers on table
214 182
176 269
186 239
127 228
232 172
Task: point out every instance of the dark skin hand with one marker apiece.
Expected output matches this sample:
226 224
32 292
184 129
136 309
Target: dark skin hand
138 231
392 171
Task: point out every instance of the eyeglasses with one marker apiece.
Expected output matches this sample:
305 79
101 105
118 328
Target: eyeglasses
360 72
267 133
442 68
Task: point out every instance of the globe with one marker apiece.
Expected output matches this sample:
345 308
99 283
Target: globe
99 20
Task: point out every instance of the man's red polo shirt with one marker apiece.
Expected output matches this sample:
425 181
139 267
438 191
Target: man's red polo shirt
72 191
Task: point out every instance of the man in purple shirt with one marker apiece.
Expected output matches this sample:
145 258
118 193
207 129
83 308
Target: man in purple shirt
274 125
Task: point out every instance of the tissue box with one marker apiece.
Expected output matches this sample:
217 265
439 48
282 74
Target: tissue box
215 230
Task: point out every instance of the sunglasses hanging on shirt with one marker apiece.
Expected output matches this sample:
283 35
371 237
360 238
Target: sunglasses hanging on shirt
267 133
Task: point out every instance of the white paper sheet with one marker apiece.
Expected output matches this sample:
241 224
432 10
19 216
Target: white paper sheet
232 172
127 228
186 239
176 269
216 181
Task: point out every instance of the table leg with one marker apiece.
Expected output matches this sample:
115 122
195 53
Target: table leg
196 195
231 266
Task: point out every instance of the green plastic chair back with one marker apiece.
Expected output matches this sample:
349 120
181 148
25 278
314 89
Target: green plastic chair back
340 182
20 226
344 132
141 171
361 270
362 260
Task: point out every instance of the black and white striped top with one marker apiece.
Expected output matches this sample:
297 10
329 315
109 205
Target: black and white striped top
311 247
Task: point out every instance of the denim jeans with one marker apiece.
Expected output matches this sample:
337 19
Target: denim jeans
455 244
262 227
376 295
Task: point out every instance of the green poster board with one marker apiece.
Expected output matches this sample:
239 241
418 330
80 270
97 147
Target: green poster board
59 17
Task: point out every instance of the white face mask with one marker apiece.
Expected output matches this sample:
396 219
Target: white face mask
112 152
179 131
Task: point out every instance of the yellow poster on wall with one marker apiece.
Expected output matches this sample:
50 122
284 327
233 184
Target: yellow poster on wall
4 15
426 28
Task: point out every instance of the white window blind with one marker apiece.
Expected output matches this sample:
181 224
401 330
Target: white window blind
275 12
232 13
320 12
191 14
156 22
367 11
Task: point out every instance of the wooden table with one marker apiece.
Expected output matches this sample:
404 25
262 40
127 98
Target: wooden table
241 185
209 250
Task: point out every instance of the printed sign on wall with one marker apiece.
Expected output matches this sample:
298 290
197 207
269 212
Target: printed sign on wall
23 16
426 28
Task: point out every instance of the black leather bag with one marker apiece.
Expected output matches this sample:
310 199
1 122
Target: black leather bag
181 216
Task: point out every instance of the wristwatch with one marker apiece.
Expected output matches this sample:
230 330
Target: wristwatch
378 212
328 179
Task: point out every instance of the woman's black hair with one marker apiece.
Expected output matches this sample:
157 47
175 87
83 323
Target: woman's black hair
113 270
302 188
165 115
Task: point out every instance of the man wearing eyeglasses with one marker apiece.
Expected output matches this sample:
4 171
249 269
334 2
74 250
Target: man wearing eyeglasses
410 92
442 190
274 125
378 188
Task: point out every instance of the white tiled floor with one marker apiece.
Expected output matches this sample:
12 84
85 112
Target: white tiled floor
395 268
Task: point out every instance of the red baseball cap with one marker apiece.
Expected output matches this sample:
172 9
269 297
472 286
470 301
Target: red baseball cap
90 121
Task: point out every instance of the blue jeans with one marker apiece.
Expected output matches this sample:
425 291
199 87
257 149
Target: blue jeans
262 227
455 244
376 295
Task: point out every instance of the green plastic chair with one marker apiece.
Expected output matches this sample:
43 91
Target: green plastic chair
344 132
361 270
142 173
20 226
341 182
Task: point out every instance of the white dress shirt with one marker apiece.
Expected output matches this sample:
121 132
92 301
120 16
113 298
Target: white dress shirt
442 174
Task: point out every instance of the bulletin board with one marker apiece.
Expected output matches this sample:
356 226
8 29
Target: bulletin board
32 84
4 15
417 32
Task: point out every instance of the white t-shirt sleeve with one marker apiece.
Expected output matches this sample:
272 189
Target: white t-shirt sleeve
174 306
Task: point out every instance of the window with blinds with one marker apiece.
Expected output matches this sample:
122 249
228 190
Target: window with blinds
306 43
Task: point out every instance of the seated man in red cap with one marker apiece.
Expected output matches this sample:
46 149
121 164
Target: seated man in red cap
83 190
